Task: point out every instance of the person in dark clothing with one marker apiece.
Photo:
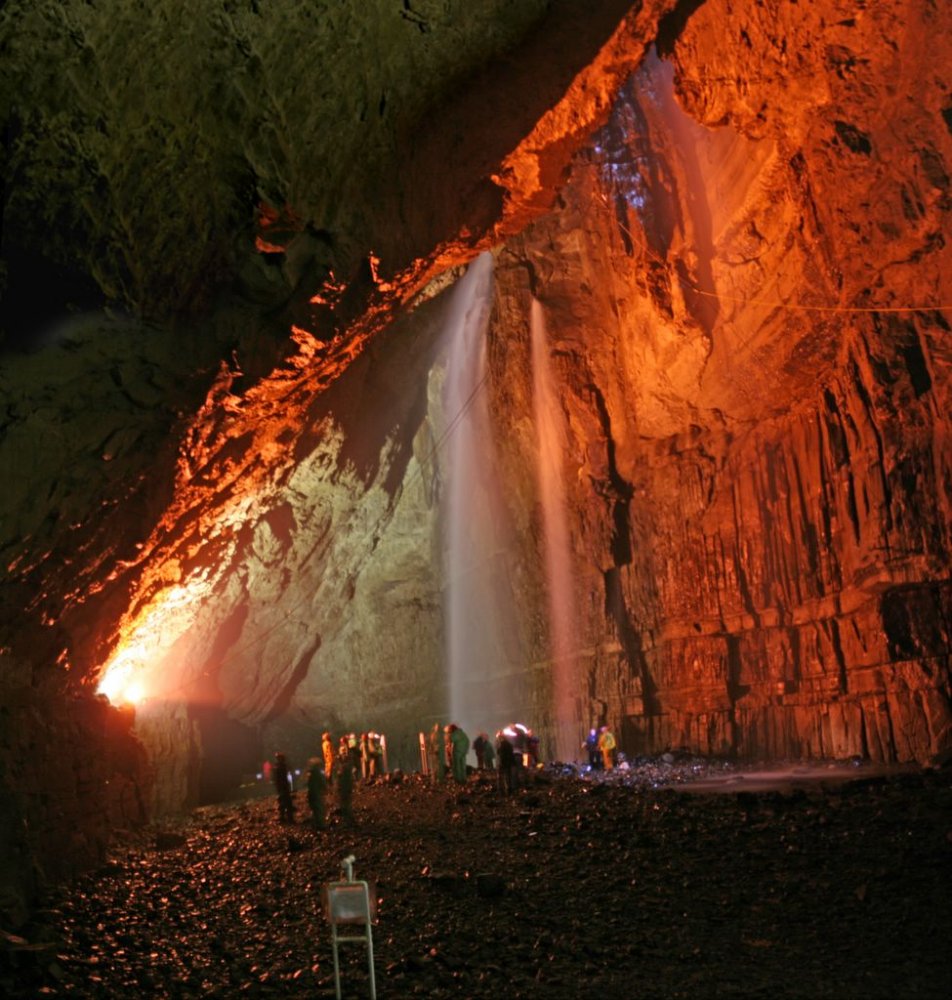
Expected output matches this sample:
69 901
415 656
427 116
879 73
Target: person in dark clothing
317 792
489 755
344 780
459 747
437 754
507 760
479 747
591 747
281 776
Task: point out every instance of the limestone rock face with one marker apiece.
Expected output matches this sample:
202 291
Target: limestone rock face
148 146
722 229
754 410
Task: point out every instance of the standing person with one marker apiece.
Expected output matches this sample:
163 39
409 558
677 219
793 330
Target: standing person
448 747
281 776
316 792
507 760
353 751
364 756
435 754
489 755
344 780
327 750
479 746
606 743
375 755
459 748
532 750
590 746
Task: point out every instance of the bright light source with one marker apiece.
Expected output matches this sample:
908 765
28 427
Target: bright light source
131 675
120 685
134 693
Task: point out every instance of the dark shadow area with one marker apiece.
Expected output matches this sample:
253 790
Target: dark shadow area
231 752
38 296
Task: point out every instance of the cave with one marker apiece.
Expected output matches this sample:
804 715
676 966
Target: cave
368 365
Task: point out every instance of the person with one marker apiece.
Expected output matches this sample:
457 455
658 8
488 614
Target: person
489 755
375 755
606 744
281 776
344 780
353 750
448 747
327 749
479 747
590 746
532 750
507 761
316 792
364 752
437 753
459 746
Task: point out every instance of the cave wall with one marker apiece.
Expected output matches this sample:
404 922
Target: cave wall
755 420
220 496
146 149
754 407
761 485
224 185
72 775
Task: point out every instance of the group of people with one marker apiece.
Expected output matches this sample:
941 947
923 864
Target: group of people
365 754
601 747
338 768
446 752
514 747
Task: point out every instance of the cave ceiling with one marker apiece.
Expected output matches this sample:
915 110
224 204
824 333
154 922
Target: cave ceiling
728 211
226 182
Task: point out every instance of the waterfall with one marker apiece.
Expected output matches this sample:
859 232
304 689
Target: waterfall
478 603
550 446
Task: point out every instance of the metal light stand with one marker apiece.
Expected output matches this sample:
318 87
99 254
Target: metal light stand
352 904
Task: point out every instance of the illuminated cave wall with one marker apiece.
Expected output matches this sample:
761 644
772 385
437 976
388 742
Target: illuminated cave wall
758 496
219 182
744 282
760 489
756 446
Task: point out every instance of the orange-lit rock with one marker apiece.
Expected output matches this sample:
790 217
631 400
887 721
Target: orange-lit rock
741 250
763 509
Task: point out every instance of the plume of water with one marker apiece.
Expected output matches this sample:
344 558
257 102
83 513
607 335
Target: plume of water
550 447
477 597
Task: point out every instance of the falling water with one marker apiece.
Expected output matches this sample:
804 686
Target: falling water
477 597
550 440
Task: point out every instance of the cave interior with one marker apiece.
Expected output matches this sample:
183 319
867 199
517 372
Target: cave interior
368 365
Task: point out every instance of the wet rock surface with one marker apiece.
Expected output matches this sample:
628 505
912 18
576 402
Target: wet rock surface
827 887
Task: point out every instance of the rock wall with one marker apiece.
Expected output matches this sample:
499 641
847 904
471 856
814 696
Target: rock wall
757 420
743 274
72 775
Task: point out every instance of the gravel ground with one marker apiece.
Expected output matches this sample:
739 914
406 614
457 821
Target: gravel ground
624 887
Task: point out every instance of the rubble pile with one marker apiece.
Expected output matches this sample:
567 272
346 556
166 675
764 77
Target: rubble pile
605 885
673 767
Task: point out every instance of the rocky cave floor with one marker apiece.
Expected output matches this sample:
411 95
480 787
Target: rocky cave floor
656 883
